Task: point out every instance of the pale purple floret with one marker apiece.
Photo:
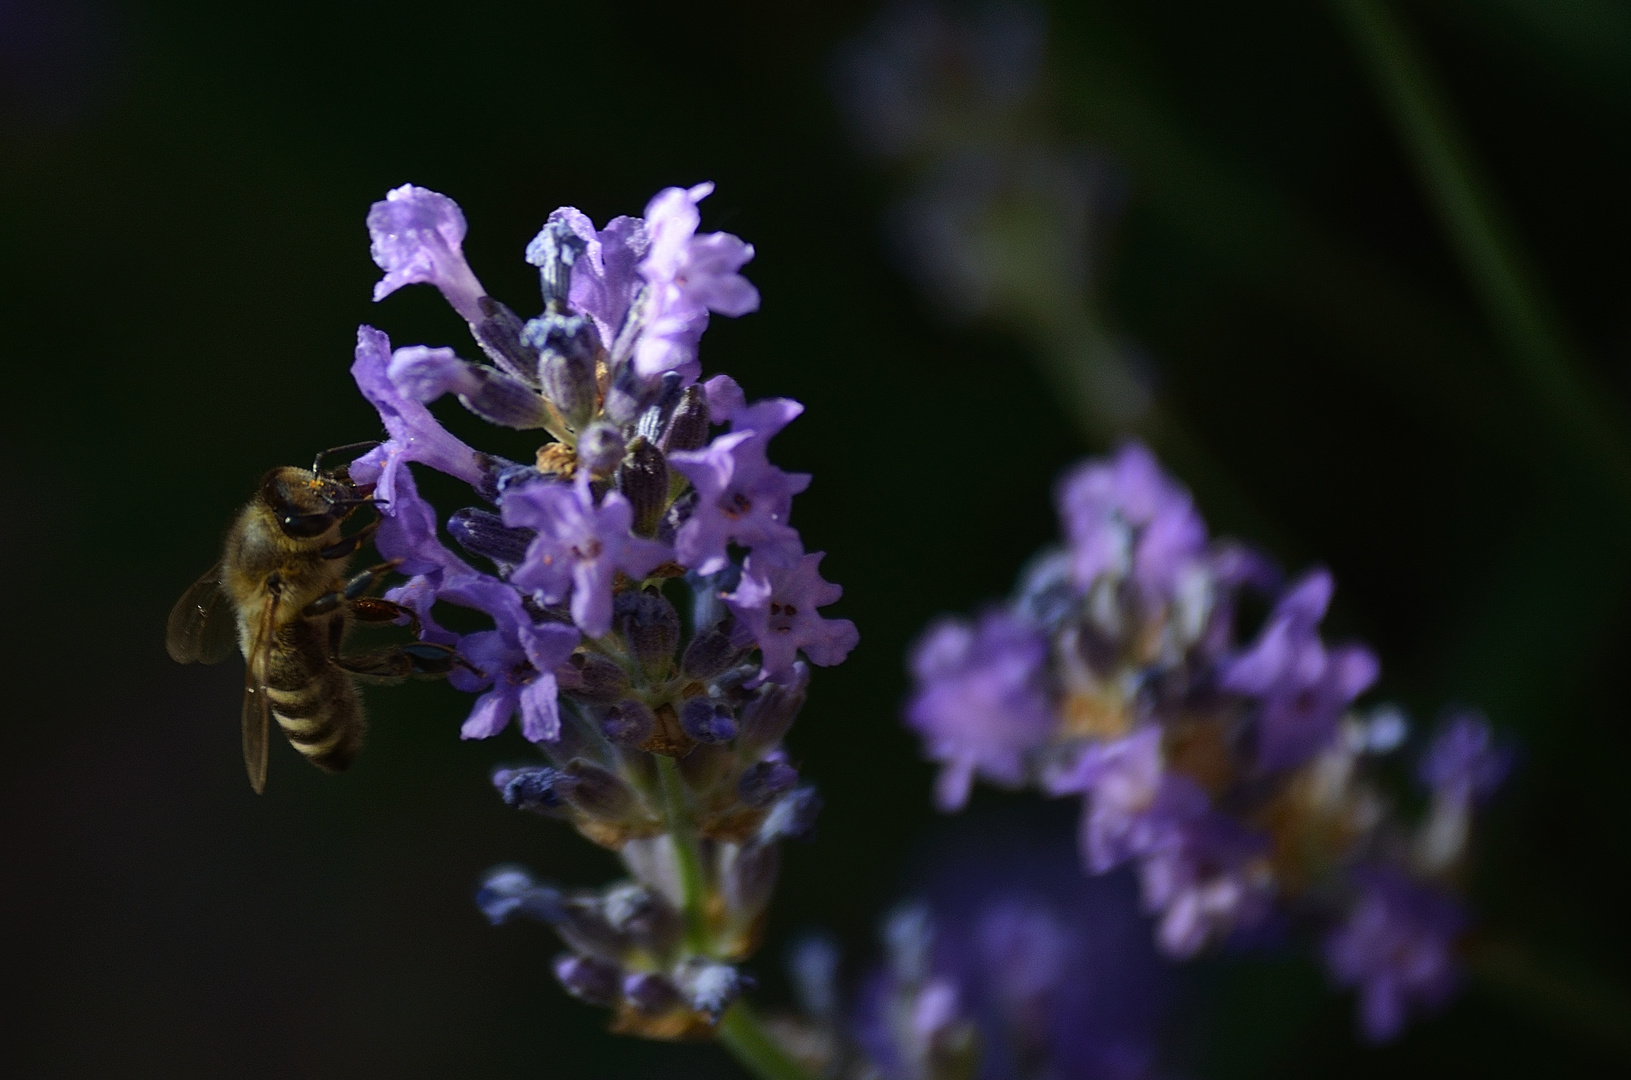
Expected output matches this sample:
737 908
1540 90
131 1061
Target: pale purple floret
1301 686
1207 878
687 276
604 278
415 433
1125 516
1463 761
776 603
1397 947
979 704
423 373
417 237
741 498
520 658
579 548
1122 814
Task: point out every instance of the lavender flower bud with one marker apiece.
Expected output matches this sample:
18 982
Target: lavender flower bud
597 678
751 879
536 788
567 347
627 395
794 816
628 723
710 653
650 626
688 427
769 714
644 916
763 783
708 721
654 419
582 924
554 251
499 335
503 400
650 993
595 791
643 480
509 892
482 532
594 981
908 937
709 986
492 471
513 477
812 968
600 449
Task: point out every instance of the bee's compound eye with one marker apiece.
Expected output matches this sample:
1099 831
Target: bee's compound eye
306 526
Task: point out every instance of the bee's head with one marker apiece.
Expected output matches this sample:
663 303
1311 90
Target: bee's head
307 504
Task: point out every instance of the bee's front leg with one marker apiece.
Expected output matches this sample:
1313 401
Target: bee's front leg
347 546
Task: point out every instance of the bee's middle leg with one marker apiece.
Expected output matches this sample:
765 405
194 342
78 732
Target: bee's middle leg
352 591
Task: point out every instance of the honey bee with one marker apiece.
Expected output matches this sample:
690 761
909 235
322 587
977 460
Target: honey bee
280 589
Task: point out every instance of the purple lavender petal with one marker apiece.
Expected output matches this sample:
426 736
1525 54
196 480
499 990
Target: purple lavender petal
1104 505
1122 814
1302 687
579 548
686 276
424 374
725 397
1397 947
417 237
1463 760
741 497
604 279
415 434
978 703
776 601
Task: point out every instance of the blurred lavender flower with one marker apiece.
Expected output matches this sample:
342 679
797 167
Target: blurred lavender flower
1233 776
998 212
1011 967
662 732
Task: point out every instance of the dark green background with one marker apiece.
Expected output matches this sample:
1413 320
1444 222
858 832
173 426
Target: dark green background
182 266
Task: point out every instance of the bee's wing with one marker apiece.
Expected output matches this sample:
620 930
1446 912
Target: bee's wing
202 625
257 717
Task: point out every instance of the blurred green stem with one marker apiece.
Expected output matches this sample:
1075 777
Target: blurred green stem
687 855
1513 299
1571 999
742 1034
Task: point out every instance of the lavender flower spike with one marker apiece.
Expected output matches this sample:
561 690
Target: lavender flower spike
417 237
579 548
777 600
1237 779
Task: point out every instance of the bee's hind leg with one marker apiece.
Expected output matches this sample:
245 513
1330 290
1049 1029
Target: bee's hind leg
372 609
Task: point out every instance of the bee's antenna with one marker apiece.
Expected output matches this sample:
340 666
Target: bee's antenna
317 462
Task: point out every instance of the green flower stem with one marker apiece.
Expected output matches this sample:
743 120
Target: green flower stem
687 854
744 1036
1573 1000
1513 299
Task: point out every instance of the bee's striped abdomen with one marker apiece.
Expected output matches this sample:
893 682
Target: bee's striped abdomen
314 701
